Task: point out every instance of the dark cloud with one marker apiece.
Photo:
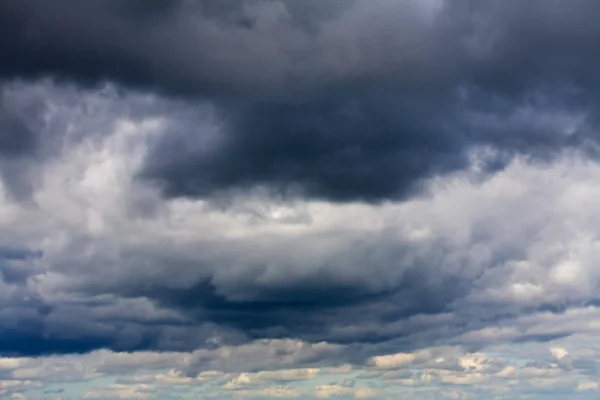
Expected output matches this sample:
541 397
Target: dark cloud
341 101
375 294
365 145
345 101
265 296
178 298
348 147
19 141
11 253
179 46
14 264
16 138
163 44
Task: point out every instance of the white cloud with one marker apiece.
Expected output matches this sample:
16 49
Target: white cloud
249 379
119 391
587 386
327 391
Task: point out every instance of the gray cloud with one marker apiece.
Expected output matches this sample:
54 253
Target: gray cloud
254 44
98 270
345 101
261 170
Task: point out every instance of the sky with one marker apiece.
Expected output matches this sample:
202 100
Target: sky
299 199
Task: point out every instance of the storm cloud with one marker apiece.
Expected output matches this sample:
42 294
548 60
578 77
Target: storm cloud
341 101
324 182
137 271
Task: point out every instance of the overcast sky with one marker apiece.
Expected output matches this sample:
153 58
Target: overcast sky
257 199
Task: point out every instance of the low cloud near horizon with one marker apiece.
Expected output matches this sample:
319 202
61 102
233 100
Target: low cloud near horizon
299 199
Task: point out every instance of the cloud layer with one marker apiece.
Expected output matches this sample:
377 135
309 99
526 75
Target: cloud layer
347 184
93 239
343 101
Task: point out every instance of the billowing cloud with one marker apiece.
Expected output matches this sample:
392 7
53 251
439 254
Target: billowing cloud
345 101
140 271
282 199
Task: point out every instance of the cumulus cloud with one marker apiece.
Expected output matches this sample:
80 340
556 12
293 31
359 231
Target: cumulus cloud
501 372
253 197
141 271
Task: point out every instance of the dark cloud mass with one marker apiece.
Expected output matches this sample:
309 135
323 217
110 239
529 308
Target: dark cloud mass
136 137
344 101
351 147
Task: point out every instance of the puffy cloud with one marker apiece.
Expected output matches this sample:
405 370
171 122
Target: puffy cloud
501 372
249 379
140 271
298 199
